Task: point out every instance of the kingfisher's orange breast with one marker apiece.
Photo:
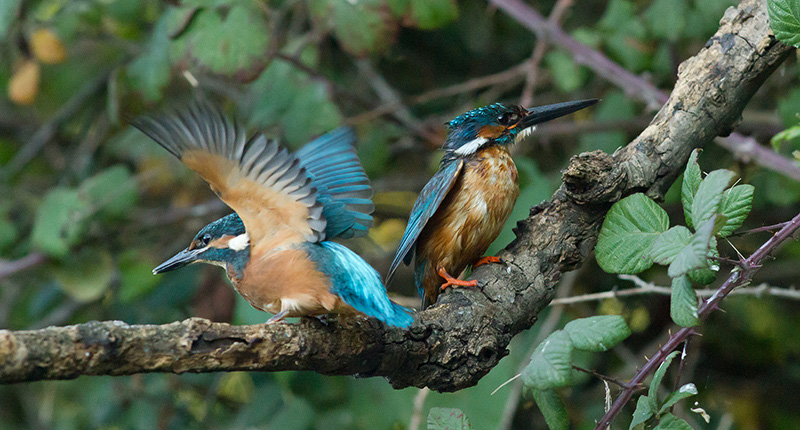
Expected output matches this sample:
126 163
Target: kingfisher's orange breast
470 217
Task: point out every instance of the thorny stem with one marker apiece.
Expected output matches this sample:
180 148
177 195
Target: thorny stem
738 277
610 379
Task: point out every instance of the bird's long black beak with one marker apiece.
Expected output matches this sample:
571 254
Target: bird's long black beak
540 114
179 260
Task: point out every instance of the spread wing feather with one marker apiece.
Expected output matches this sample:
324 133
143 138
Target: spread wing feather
342 186
263 183
426 205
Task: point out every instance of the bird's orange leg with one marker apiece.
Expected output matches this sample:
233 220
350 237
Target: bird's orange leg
486 260
453 282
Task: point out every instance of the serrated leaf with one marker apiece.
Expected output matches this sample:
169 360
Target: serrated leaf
735 206
709 194
112 192
550 365
652 393
552 407
447 419
644 411
695 254
59 222
687 390
86 275
683 303
235 45
784 19
631 227
691 181
597 333
708 274
669 244
671 422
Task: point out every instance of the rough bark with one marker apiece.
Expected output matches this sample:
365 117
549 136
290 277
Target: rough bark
455 343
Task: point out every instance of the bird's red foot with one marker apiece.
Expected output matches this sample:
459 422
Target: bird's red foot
453 282
487 260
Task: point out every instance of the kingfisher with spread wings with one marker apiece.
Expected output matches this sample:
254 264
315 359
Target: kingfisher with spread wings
275 248
463 208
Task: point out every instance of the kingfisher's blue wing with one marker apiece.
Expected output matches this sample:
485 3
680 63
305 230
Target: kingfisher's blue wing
426 205
342 185
356 282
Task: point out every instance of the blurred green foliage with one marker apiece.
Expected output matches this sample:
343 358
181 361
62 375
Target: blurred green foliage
92 205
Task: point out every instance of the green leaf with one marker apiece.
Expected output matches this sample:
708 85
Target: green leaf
644 411
430 14
447 419
735 206
687 390
568 76
784 19
670 244
597 333
86 275
624 31
691 181
286 97
8 231
631 227
550 365
707 275
671 422
112 192
361 27
136 276
683 303
59 222
652 393
235 45
695 254
667 18
149 72
709 194
552 407
785 136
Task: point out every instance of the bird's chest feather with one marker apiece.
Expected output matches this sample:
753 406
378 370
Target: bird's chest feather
476 208
286 279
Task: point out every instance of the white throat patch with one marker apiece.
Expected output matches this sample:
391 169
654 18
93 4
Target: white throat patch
239 242
471 146
524 134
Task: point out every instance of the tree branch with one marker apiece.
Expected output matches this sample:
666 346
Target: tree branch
454 344
743 147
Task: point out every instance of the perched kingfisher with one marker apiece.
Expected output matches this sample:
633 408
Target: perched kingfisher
462 209
274 248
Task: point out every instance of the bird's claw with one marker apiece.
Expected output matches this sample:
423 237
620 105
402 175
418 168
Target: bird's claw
487 260
454 282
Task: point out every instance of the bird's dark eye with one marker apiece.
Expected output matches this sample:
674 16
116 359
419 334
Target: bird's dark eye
507 118
205 239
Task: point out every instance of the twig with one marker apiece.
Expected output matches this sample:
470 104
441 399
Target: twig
764 228
635 86
737 278
649 288
614 381
8 268
539 50
419 403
